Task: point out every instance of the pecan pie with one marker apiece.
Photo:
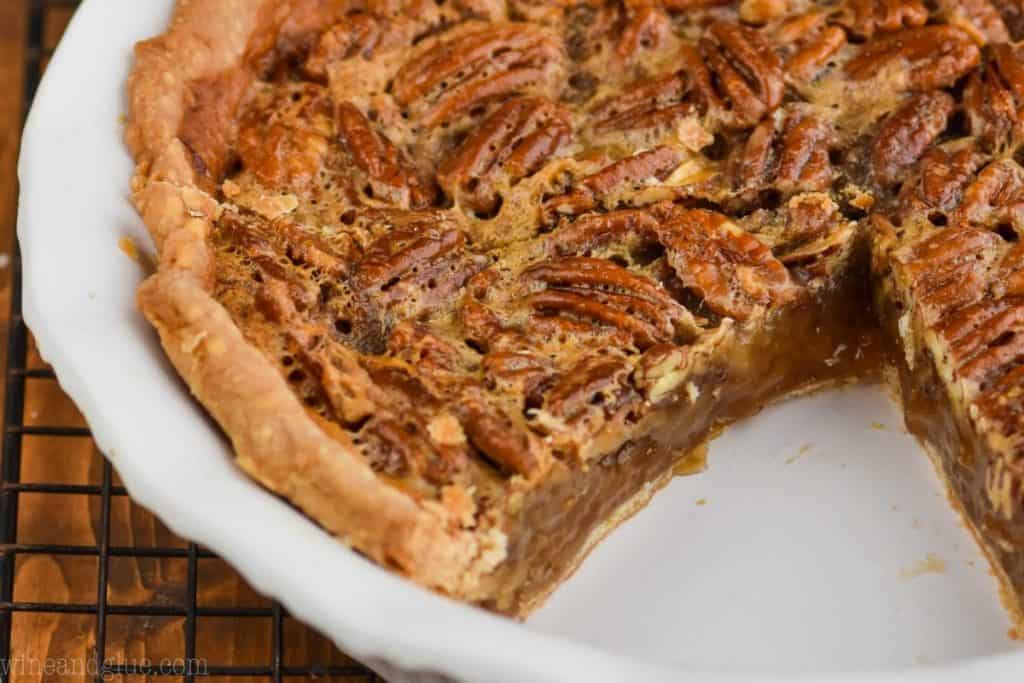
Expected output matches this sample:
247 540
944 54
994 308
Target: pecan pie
467 281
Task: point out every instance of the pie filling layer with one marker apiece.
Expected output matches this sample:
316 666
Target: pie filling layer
505 266
828 341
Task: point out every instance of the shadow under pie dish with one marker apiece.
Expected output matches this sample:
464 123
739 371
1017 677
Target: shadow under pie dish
468 282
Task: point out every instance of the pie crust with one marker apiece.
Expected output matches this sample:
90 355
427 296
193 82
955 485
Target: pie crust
468 281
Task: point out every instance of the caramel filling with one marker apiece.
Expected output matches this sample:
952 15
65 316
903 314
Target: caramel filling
829 340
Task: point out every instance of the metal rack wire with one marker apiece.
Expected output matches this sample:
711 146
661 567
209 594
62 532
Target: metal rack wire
18 379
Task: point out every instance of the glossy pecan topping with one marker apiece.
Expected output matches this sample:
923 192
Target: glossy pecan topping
979 18
908 133
732 271
491 251
865 18
512 144
994 95
476 66
920 59
789 157
608 294
389 176
614 181
807 43
948 270
745 80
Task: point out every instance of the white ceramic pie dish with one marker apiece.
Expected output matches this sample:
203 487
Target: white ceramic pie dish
819 545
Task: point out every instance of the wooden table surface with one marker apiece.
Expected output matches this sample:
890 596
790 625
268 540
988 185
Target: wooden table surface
47 645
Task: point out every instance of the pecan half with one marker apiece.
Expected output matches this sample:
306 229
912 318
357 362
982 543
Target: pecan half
908 133
596 230
609 294
789 157
995 200
397 439
807 43
592 385
402 446
748 81
948 270
925 58
732 271
646 29
994 95
936 187
865 18
928 57
273 243
647 104
418 266
477 65
504 441
358 35
985 338
512 144
284 144
389 176
613 182
517 372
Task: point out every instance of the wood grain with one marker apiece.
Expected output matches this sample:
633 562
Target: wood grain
67 641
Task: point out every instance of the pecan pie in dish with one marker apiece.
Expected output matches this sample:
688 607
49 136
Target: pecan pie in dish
467 281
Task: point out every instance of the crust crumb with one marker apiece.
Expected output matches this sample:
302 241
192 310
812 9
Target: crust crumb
931 564
128 246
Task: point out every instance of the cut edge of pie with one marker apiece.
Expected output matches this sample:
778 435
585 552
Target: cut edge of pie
512 557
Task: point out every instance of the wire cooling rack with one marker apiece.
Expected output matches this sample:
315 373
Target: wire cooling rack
174 593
